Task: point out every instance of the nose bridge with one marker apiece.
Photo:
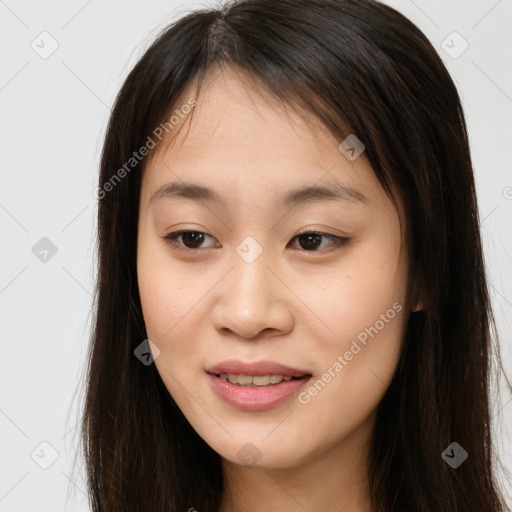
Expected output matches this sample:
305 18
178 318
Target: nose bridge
252 298
251 278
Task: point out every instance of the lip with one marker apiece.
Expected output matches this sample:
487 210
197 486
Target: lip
256 399
256 368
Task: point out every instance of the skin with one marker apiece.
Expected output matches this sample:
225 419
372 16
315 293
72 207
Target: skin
298 304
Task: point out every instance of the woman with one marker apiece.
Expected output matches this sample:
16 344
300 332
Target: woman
292 311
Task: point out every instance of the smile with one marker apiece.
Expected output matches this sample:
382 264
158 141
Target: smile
254 380
256 393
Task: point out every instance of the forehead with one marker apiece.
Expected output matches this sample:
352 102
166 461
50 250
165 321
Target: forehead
232 111
241 140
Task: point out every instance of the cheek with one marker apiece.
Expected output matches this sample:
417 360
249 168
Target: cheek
168 296
170 318
159 307
363 308
354 295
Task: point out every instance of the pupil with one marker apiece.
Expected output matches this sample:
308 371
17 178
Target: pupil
310 238
196 239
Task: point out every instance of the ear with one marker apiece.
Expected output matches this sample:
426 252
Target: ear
418 307
417 296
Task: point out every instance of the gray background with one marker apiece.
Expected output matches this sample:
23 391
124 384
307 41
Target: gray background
54 113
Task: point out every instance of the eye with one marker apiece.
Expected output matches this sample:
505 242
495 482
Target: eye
191 239
309 240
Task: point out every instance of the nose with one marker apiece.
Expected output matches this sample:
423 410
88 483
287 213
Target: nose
253 300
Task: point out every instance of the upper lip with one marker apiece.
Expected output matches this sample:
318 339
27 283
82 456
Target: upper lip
256 368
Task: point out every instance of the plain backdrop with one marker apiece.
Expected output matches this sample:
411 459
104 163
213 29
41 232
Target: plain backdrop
61 65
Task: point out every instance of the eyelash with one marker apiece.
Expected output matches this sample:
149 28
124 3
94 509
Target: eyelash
338 241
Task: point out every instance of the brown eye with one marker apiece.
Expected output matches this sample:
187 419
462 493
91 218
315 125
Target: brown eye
190 239
312 240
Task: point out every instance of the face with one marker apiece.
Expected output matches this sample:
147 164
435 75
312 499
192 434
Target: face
229 275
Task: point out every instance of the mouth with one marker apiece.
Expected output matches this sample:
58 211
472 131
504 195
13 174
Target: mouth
256 392
258 381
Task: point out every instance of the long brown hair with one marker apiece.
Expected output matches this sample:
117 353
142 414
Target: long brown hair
354 63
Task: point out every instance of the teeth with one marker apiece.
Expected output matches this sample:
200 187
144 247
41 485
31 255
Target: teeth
254 381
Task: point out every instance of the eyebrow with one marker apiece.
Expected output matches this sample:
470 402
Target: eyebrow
306 194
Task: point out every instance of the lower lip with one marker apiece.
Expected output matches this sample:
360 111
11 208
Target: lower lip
257 398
